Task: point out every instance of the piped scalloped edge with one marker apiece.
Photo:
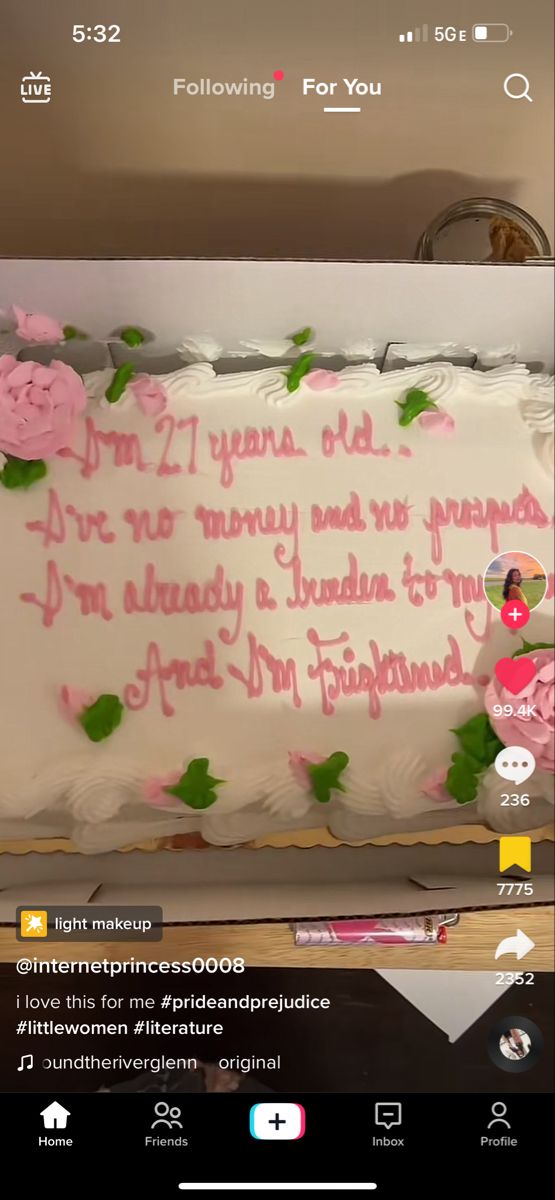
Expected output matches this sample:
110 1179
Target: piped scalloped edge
299 840
450 836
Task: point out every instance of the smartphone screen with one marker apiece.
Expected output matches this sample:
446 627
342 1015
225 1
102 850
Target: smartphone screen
276 597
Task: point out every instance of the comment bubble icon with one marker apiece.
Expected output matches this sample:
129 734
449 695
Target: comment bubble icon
388 1113
515 764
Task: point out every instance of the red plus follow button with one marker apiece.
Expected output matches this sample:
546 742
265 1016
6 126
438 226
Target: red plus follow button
515 614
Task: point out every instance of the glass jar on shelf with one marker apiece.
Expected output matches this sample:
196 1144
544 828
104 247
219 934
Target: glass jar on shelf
482 229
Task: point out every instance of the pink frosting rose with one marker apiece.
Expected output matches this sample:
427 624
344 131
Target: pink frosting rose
534 733
155 794
74 701
150 395
320 380
298 764
434 786
37 327
39 407
437 421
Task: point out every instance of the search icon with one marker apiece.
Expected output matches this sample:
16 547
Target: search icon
523 93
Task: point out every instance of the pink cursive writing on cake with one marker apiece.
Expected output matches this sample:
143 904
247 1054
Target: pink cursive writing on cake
263 560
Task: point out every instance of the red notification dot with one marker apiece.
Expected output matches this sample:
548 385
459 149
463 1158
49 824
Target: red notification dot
278 75
515 614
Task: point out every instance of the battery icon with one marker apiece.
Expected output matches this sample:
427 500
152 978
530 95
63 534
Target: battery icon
491 33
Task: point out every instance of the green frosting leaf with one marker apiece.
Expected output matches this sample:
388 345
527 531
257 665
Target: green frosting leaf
462 778
478 739
18 473
101 718
120 379
196 788
132 336
298 371
302 336
416 401
480 745
70 331
528 647
324 777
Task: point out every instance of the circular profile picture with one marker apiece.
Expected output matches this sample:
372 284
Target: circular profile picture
515 1044
515 576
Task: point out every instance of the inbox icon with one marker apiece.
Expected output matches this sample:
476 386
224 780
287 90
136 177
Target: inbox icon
388 1113
277 1122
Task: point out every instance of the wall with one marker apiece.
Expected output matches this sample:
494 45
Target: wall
116 165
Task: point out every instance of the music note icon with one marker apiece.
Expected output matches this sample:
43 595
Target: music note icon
26 1062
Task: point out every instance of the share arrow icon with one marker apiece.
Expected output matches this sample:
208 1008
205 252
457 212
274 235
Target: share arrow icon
521 945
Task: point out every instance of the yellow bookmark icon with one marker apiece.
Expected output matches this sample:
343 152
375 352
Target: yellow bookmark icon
515 852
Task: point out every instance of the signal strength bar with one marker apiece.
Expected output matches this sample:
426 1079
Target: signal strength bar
415 35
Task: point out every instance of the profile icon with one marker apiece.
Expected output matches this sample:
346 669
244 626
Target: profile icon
515 577
499 1113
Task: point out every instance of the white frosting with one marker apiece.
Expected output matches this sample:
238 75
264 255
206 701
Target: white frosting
413 352
546 453
495 356
200 347
521 817
362 348
96 792
538 411
276 348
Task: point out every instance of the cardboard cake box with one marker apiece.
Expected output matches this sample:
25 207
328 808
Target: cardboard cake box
477 315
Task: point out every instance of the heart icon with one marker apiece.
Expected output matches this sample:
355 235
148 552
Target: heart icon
515 673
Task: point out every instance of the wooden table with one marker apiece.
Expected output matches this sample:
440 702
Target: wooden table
470 947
